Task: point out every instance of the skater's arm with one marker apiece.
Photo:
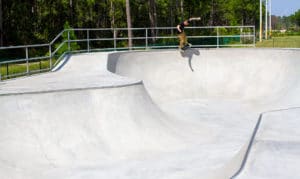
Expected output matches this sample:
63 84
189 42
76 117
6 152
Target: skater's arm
194 18
178 28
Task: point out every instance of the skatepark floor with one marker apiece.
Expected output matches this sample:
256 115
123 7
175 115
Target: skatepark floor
201 113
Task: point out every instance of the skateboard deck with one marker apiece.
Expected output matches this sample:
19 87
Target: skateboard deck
187 46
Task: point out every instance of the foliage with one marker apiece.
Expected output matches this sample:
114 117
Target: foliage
72 36
39 21
296 18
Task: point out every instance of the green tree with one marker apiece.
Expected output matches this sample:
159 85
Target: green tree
72 36
39 21
296 18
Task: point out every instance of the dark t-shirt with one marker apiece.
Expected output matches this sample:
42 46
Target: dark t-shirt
181 27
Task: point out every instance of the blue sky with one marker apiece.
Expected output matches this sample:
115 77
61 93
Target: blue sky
285 7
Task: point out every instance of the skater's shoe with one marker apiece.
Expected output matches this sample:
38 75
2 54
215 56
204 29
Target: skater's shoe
186 46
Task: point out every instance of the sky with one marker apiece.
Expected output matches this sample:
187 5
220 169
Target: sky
285 7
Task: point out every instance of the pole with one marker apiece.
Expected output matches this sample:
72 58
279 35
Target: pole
88 40
50 56
260 20
218 40
7 71
270 20
115 39
146 38
254 36
69 45
27 61
266 21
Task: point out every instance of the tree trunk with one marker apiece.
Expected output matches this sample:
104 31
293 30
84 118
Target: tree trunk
211 21
1 24
153 18
181 9
71 13
112 14
129 24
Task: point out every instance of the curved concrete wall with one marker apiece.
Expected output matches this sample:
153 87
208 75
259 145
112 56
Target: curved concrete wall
246 74
83 121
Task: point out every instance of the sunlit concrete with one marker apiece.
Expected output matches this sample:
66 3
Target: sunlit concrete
204 113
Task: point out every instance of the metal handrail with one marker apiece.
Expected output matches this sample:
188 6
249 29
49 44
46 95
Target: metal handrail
114 38
59 35
163 28
23 46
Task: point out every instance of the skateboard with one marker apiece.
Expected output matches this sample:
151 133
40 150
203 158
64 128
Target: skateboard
186 46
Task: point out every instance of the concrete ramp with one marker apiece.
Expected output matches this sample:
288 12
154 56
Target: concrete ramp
274 148
249 75
154 114
228 85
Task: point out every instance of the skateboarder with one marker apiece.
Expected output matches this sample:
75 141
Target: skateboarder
181 34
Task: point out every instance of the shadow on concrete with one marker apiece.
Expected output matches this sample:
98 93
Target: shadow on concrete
112 61
189 53
62 63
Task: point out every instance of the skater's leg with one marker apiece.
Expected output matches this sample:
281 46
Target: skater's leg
185 42
181 40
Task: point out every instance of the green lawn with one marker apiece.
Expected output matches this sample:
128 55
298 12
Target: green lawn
281 42
21 68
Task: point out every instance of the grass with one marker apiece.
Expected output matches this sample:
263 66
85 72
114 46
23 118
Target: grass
281 42
13 70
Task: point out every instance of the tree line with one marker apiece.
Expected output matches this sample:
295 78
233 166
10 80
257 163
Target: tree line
39 21
289 23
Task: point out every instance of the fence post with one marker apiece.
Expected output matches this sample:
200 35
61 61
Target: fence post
146 43
218 42
242 36
50 55
115 39
69 45
88 40
254 36
7 71
27 61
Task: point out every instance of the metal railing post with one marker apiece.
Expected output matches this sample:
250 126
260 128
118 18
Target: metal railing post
50 55
146 44
254 37
115 39
88 40
69 45
218 40
7 71
27 61
241 36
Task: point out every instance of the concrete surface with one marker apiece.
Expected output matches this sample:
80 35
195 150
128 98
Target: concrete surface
276 150
204 113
